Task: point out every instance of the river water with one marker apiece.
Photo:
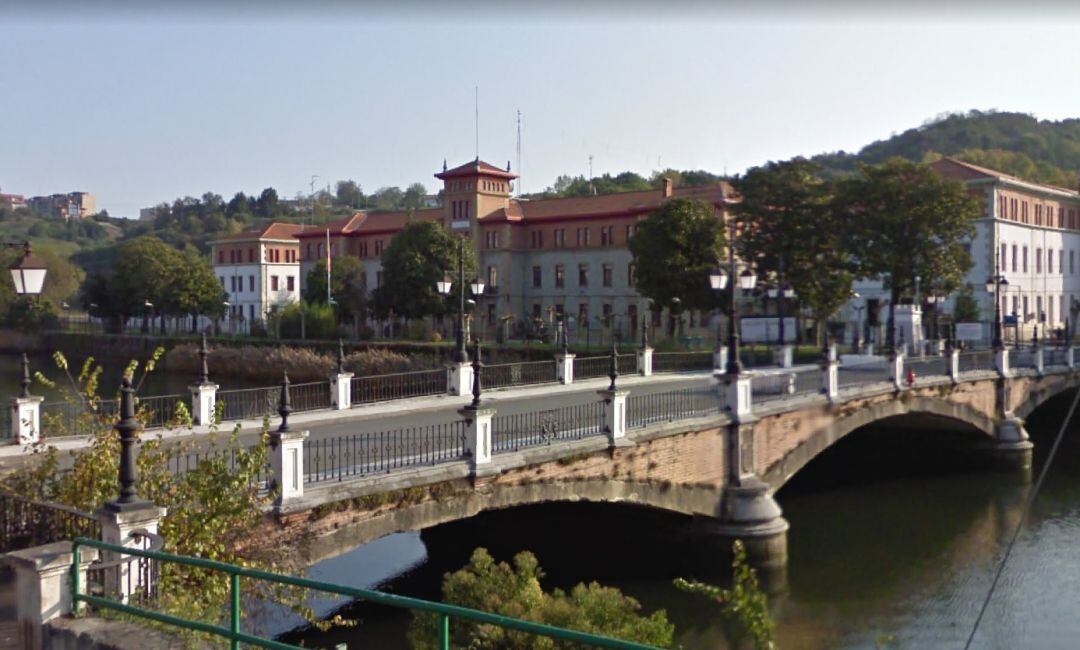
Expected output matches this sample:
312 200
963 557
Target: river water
894 539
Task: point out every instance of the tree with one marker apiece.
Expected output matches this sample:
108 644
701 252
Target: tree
145 268
674 249
792 234
414 261
194 292
267 204
903 220
387 198
349 194
348 283
413 198
515 591
966 308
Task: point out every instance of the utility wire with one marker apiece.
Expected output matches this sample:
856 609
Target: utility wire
1023 517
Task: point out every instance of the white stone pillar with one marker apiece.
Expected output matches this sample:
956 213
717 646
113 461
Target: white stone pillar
831 379
644 361
719 359
736 394
118 522
564 367
832 352
1001 362
785 356
43 586
1038 359
287 464
615 415
896 370
26 419
203 402
460 380
478 434
954 365
1070 356
341 390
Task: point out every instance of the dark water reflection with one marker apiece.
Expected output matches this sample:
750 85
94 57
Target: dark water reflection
893 543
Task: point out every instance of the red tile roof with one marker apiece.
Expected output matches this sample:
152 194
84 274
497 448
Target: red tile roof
394 221
269 231
338 227
609 204
960 170
475 168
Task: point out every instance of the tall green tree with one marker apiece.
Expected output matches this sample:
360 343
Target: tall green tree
348 284
349 194
414 261
791 234
195 291
674 249
903 220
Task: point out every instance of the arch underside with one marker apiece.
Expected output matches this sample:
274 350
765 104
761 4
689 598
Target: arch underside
940 413
1049 387
681 499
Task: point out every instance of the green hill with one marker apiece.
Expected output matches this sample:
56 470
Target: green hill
1044 151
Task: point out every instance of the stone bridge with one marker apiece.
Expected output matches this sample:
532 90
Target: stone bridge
717 454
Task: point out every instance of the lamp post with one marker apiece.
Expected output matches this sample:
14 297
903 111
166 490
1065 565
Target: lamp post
27 272
147 316
993 285
859 308
444 287
719 281
936 300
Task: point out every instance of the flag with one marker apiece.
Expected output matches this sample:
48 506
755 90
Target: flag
328 251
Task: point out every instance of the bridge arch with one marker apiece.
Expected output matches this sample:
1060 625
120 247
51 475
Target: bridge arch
692 500
959 415
1044 389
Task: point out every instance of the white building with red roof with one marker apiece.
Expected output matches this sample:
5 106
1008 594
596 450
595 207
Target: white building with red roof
259 270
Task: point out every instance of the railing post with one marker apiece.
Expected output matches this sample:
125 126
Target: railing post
43 586
615 415
477 421
1001 362
719 358
341 383
460 378
1038 360
204 391
644 361
26 410
736 393
1070 356
784 356
564 367
953 359
287 453
831 379
896 369
117 526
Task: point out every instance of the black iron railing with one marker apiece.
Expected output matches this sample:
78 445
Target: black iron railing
927 366
134 579
857 374
1055 357
1021 359
781 385
627 363
682 361
182 463
311 396
248 403
76 418
668 406
25 523
981 360
591 367
381 388
520 430
334 459
518 374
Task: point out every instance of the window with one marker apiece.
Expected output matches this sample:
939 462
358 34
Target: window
1061 262
378 247
1072 262
1024 266
629 232
318 249
536 310
1038 215
232 284
222 278
1016 305
251 283
1024 316
631 274
273 283
1038 260
607 274
492 278
363 249
378 279
491 239
583 236
221 257
537 238
307 254
290 283
560 276
607 313
1050 309
1040 317
232 257
560 238
583 314
1014 259
251 255
538 277
583 275
559 310
1061 217
607 235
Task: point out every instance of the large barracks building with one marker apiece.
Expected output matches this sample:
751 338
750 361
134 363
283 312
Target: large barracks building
539 258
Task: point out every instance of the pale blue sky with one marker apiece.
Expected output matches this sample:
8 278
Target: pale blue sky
139 108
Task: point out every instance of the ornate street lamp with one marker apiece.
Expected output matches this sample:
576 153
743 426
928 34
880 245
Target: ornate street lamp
444 287
936 300
28 272
718 281
993 285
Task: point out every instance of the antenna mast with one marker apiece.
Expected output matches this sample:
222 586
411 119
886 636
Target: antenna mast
476 109
519 153
311 197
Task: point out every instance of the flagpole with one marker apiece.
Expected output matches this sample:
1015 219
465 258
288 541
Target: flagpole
328 266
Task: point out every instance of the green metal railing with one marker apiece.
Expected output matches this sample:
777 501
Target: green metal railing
235 636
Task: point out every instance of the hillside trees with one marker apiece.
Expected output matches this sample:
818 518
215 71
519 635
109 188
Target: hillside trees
348 285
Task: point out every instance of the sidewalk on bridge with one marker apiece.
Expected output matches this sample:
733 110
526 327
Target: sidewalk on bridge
363 412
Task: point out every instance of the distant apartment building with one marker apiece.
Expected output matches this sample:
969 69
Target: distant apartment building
259 270
73 205
540 259
13 201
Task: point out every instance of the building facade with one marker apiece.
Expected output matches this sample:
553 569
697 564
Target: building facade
540 259
1029 232
73 205
259 270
